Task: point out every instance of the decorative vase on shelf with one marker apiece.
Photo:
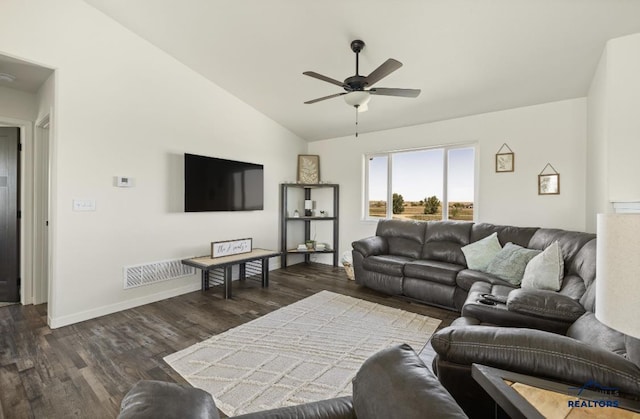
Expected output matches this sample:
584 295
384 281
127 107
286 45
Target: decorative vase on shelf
310 244
296 214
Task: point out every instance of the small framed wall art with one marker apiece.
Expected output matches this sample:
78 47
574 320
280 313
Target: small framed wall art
230 247
505 161
549 183
308 168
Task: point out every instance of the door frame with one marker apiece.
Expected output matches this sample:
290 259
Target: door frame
27 230
41 257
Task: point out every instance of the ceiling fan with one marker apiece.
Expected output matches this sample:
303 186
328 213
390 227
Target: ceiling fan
358 88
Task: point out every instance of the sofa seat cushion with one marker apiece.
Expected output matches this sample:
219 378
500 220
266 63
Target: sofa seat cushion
386 264
432 270
467 277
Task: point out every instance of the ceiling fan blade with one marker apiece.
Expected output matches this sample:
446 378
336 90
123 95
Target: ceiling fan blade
309 102
385 91
324 78
383 71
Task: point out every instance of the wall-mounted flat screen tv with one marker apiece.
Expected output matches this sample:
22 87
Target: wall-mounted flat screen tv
212 184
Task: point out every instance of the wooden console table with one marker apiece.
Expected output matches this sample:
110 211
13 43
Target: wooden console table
524 396
207 264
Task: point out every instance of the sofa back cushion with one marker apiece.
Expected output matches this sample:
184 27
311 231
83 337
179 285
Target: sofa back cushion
589 330
583 273
404 238
516 235
570 242
584 263
579 253
395 383
444 241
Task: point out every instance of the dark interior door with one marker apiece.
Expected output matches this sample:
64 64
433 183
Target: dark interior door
9 214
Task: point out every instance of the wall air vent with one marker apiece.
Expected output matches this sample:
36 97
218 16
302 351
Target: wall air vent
151 273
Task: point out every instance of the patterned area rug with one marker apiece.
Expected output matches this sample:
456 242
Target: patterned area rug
307 351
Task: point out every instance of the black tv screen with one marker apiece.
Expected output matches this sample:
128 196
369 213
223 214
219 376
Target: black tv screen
212 184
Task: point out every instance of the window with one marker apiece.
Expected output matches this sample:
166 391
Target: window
426 184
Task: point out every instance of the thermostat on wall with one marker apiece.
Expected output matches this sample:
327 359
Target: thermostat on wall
125 182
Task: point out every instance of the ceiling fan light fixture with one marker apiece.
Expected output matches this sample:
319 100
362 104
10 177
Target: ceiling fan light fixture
358 99
9 78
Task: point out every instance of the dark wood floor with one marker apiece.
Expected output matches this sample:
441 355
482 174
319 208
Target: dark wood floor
84 370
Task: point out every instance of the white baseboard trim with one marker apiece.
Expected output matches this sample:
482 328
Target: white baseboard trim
56 322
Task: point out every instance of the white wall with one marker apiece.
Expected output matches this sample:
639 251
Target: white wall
597 192
553 132
17 105
614 128
623 127
123 107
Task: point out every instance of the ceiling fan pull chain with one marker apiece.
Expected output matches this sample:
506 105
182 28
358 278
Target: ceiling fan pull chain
356 120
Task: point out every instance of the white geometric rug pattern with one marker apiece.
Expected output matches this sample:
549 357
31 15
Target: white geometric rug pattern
307 351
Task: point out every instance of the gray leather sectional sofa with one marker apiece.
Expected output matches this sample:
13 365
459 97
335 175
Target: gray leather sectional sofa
542 333
424 261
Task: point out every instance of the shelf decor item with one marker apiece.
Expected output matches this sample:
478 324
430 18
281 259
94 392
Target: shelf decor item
549 183
308 169
308 208
230 247
505 161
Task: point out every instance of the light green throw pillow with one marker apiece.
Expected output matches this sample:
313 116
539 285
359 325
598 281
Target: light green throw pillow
545 271
479 254
510 263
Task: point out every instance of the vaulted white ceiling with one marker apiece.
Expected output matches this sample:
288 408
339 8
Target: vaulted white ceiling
467 56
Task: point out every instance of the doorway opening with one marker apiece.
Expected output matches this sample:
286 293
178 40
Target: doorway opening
10 214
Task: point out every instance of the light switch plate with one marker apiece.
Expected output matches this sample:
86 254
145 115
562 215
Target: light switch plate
84 205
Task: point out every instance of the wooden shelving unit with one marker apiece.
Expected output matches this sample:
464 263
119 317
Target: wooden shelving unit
285 220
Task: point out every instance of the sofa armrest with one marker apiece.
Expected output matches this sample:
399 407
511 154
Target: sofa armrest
544 303
337 408
370 246
537 353
150 399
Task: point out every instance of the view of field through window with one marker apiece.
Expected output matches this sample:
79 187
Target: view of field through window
418 180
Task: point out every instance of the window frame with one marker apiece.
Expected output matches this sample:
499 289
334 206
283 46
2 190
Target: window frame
445 177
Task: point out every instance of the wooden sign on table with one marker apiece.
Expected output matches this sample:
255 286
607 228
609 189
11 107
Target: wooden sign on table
230 247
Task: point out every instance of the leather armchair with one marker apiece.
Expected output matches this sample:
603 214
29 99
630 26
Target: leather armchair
393 383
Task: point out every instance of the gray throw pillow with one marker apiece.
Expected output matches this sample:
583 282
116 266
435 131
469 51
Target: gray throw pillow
479 254
510 263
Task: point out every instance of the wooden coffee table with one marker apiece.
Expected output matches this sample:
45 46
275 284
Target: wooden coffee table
207 264
524 396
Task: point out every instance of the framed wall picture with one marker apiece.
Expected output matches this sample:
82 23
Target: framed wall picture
549 184
230 247
504 162
308 168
